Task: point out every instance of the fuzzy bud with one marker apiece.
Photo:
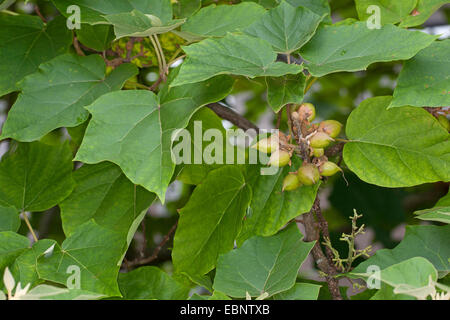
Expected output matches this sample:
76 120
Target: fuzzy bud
331 127
320 140
267 145
327 169
308 174
307 111
290 183
279 158
318 152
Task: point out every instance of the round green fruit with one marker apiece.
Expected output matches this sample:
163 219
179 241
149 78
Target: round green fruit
320 140
308 111
267 145
290 183
308 174
327 169
331 127
318 152
279 158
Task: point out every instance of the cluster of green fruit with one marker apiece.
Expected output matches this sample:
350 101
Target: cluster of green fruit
317 137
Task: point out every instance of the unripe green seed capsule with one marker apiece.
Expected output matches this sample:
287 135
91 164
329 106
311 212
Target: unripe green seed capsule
308 174
290 182
318 152
444 122
267 145
331 127
320 140
307 110
327 169
279 158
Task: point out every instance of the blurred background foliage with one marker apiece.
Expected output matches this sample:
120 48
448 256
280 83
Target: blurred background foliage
385 211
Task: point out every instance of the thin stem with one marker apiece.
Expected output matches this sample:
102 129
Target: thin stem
38 12
29 226
279 114
154 256
10 12
309 85
161 52
229 114
158 55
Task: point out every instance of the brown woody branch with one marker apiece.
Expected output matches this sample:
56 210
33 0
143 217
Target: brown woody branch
313 234
235 118
313 228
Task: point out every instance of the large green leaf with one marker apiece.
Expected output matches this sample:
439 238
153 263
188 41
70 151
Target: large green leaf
271 208
424 10
97 37
76 81
262 264
234 54
36 176
424 80
390 11
202 121
95 250
11 246
24 268
412 272
440 212
429 242
215 296
286 28
137 24
4 4
218 20
25 42
9 219
94 12
354 47
396 147
319 7
104 194
134 129
185 8
284 90
300 291
151 283
47 292
411 277
210 221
